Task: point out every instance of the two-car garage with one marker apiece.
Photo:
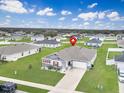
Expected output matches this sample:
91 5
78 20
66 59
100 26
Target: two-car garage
77 64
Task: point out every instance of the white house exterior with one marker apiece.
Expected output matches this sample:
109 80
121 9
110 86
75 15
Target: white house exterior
120 43
37 38
94 43
73 57
48 43
13 53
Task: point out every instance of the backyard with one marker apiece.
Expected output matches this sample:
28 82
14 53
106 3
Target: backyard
35 74
100 75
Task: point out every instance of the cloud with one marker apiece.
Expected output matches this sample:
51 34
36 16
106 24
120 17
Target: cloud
31 10
46 12
62 18
86 23
101 15
75 19
88 16
65 12
8 16
114 16
92 5
13 6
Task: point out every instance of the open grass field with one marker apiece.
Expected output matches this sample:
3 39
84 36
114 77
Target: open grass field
35 74
111 55
101 74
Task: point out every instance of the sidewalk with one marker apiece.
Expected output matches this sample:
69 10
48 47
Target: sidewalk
26 83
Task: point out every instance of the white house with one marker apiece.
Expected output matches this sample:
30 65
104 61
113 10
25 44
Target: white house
37 38
94 43
120 43
98 36
48 43
13 53
73 57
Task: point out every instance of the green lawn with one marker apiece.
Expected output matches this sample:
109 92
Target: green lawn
85 39
101 74
29 89
24 40
35 74
109 40
111 55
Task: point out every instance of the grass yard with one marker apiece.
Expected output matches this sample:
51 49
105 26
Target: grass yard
35 74
110 41
85 39
24 40
101 74
29 89
111 55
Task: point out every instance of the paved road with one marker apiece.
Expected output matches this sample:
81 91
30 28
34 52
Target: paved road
121 87
26 83
69 82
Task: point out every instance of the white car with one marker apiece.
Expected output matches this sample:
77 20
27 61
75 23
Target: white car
121 75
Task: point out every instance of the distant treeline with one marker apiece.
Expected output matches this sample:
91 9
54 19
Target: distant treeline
50 30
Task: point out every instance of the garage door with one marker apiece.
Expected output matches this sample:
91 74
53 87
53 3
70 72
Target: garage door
79 64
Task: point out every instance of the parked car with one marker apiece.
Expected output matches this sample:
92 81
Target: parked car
8 87
121 75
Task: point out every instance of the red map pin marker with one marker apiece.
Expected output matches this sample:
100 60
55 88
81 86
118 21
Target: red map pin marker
73 40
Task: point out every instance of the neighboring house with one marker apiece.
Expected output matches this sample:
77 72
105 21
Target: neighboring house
37 38
94 43
99 37
119 60
13 53
15 38
120 36
120 43
48 43
73 57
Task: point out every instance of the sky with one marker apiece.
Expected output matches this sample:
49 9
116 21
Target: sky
71 14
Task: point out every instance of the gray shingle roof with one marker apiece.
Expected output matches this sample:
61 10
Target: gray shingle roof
46 41
119 58
94 41
77 54
8 50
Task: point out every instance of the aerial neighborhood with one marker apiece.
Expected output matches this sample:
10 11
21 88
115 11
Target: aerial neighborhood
46 55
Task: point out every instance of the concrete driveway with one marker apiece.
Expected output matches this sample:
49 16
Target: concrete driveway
121 87
69 82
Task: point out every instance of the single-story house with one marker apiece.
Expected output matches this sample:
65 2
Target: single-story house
72 57
119 60
48 43
13 53
120 36
98 36
120 43
37 38
94 43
